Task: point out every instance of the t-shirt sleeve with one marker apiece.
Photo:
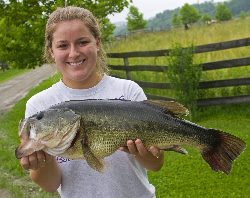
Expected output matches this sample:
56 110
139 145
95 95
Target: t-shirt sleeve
135 92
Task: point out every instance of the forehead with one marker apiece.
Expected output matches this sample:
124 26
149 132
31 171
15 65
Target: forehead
70 29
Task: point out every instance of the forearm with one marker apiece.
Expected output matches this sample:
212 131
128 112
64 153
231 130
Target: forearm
152 163
47 177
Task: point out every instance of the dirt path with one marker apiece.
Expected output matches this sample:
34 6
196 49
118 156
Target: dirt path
16 88
4 194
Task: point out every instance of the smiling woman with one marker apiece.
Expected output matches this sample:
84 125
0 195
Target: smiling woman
73 43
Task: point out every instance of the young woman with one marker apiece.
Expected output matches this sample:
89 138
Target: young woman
72 42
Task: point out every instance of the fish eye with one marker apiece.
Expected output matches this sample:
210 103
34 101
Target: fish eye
40 116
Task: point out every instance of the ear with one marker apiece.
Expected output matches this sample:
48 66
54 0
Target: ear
98 43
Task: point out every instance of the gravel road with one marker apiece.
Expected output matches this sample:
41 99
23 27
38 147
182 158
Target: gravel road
16 88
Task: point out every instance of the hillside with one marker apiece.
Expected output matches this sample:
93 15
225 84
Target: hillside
163 20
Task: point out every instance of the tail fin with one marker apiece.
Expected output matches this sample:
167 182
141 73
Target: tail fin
221 156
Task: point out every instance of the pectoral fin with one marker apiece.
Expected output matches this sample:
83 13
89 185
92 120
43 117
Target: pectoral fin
94 162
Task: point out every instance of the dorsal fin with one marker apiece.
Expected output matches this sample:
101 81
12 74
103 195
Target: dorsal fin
173 107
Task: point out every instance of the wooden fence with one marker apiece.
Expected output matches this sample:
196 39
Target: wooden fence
205 67
4 66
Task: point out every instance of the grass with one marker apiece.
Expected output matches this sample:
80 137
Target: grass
181 176
12 176
10 73
190 176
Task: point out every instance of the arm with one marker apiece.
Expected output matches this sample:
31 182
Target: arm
44 170
151 159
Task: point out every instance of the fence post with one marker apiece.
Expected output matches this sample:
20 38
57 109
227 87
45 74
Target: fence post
126 64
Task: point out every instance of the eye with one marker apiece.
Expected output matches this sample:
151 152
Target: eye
62 46
83 42
40 116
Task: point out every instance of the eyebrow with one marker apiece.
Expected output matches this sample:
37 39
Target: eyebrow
64 41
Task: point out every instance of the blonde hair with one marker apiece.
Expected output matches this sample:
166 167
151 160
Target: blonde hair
71 13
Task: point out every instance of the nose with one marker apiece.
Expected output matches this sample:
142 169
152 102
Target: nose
74 51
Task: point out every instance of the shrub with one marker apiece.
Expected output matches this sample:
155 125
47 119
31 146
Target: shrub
184 76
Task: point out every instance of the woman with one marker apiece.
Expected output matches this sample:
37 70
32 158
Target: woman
72 42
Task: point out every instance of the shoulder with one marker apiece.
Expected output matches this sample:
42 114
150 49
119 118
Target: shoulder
130 89
122 82
42 100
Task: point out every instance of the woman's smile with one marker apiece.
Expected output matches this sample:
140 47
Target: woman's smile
76 63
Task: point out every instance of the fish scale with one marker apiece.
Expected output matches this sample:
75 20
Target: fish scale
95 129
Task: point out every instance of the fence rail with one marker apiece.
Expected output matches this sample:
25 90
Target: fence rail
205 67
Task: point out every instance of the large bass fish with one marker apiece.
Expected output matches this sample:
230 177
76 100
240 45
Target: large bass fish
94 129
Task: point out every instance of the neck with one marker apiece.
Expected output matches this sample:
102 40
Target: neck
84 84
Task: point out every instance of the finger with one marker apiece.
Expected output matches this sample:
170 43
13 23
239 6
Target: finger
155 151
41 159
131 147
48 157
33 161
141 148
24 161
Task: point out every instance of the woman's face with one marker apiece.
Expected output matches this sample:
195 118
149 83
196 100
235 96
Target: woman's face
74 50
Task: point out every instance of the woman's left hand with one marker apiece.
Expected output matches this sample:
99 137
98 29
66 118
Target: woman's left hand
151 158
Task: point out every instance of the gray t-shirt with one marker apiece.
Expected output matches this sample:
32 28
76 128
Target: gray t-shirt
123 177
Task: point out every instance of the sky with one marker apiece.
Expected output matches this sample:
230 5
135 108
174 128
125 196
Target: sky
150 8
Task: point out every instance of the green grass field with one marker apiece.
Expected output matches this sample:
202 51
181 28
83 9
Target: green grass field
197 35
181 176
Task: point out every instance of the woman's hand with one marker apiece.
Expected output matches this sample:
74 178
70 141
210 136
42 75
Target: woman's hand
36 160
151 159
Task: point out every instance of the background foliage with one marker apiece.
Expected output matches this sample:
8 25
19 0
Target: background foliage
22 26
163 20
184 76
135 19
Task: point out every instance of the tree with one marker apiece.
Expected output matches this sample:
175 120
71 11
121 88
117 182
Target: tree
176 20
222 12
189 15
135 19
206 18
22 25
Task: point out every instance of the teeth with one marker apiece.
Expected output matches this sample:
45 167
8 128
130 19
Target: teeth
76 63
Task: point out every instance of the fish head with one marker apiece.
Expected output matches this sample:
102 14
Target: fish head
49 129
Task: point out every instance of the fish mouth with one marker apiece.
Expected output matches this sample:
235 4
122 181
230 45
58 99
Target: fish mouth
19 153
28 148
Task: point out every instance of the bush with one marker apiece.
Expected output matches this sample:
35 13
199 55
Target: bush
184 76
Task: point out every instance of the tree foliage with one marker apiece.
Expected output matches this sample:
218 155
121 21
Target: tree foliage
135 19
22 25
189 14
176 20
206 18
223 13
